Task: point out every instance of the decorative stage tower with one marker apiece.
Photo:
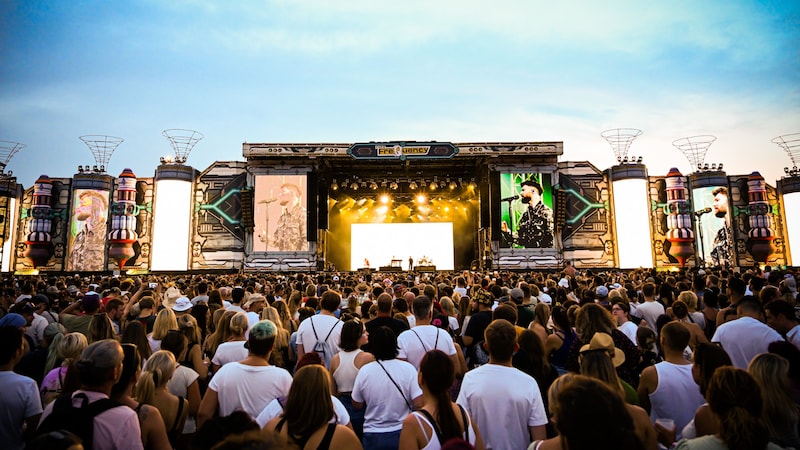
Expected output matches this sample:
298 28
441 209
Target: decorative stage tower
761 233
9 203
789 189
88 220
123 220
173 205
39 245
679 218
628 180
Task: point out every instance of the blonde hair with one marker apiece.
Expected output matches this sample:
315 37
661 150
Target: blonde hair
780 412
157 372
71 346
187 324
238 325
448 306
165 321
281 334
101 328
221 331
690 298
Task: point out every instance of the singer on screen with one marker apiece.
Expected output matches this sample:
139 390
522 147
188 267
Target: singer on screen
535 226
722 250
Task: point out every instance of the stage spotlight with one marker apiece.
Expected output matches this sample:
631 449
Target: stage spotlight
422 184
393 185
373 185
384 199
472 184
412 185
354 186
421 198
334 185
434 185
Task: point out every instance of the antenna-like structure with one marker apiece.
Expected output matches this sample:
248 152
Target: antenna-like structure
620 140
182 141
790 143
102 148
695 148
7 151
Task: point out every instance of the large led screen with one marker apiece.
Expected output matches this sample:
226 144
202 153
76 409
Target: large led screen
279 213
87 230
632 218
791 204
713 226
379 244
171 225
526 210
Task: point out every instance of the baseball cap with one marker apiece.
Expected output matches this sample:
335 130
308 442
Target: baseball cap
90 301
517 295
601 291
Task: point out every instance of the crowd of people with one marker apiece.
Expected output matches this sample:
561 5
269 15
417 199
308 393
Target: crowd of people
577 359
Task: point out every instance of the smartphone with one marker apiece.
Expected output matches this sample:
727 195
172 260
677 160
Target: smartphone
153 285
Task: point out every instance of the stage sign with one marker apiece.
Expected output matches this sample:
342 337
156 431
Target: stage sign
403 150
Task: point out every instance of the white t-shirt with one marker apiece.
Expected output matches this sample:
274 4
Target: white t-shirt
629 329
649 311
19 401
386 408
248 388
744 338
275 409
414 343
179 385
323 324
793 336
229 352
504 402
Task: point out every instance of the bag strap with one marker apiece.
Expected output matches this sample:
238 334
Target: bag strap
332 328
466 422
313 328
410 408
420 340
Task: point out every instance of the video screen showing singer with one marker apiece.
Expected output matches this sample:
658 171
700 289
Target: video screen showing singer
527 220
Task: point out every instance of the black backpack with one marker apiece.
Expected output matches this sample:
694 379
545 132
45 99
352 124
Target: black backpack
77 420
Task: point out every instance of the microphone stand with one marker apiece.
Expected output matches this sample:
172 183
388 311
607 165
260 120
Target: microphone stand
702 249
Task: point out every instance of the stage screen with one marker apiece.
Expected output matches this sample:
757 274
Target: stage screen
279 213
527 220
377 244
713 226
87 230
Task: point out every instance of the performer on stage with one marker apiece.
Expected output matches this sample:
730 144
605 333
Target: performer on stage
535 228
290 233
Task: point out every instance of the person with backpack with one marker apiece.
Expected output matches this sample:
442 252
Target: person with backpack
322 332
440 420
89 412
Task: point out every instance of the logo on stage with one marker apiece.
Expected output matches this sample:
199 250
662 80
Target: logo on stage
403 150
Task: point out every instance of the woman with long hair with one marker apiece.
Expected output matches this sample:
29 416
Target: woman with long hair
233 348
151 389
440 420
780 411
281 356
286 317
557 345
734 397
134 333
154 433
531 359
101 328
193 359
541 314
184 383
57 381
220 333
165 321
308 414
598 365
706 359
345 366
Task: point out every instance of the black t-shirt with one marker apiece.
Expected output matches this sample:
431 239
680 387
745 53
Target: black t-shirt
524 315
398 326
477 325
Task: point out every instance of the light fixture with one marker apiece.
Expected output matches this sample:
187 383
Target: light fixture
354 186
412 185
393 185
373 185
334 185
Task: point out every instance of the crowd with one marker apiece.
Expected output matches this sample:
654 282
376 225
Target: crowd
641 359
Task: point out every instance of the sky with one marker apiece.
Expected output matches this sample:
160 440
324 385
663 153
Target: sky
349 71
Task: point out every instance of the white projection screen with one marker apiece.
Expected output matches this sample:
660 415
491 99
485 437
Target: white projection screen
379 243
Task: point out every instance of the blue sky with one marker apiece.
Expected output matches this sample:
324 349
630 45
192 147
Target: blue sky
353 70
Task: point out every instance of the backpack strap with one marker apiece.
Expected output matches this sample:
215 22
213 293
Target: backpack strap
420 340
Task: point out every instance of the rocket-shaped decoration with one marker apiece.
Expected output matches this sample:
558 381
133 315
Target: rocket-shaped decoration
679 219
123 220
38 241
761 234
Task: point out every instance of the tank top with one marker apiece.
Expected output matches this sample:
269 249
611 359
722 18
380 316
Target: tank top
677 396
345 374
433 439
560 356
